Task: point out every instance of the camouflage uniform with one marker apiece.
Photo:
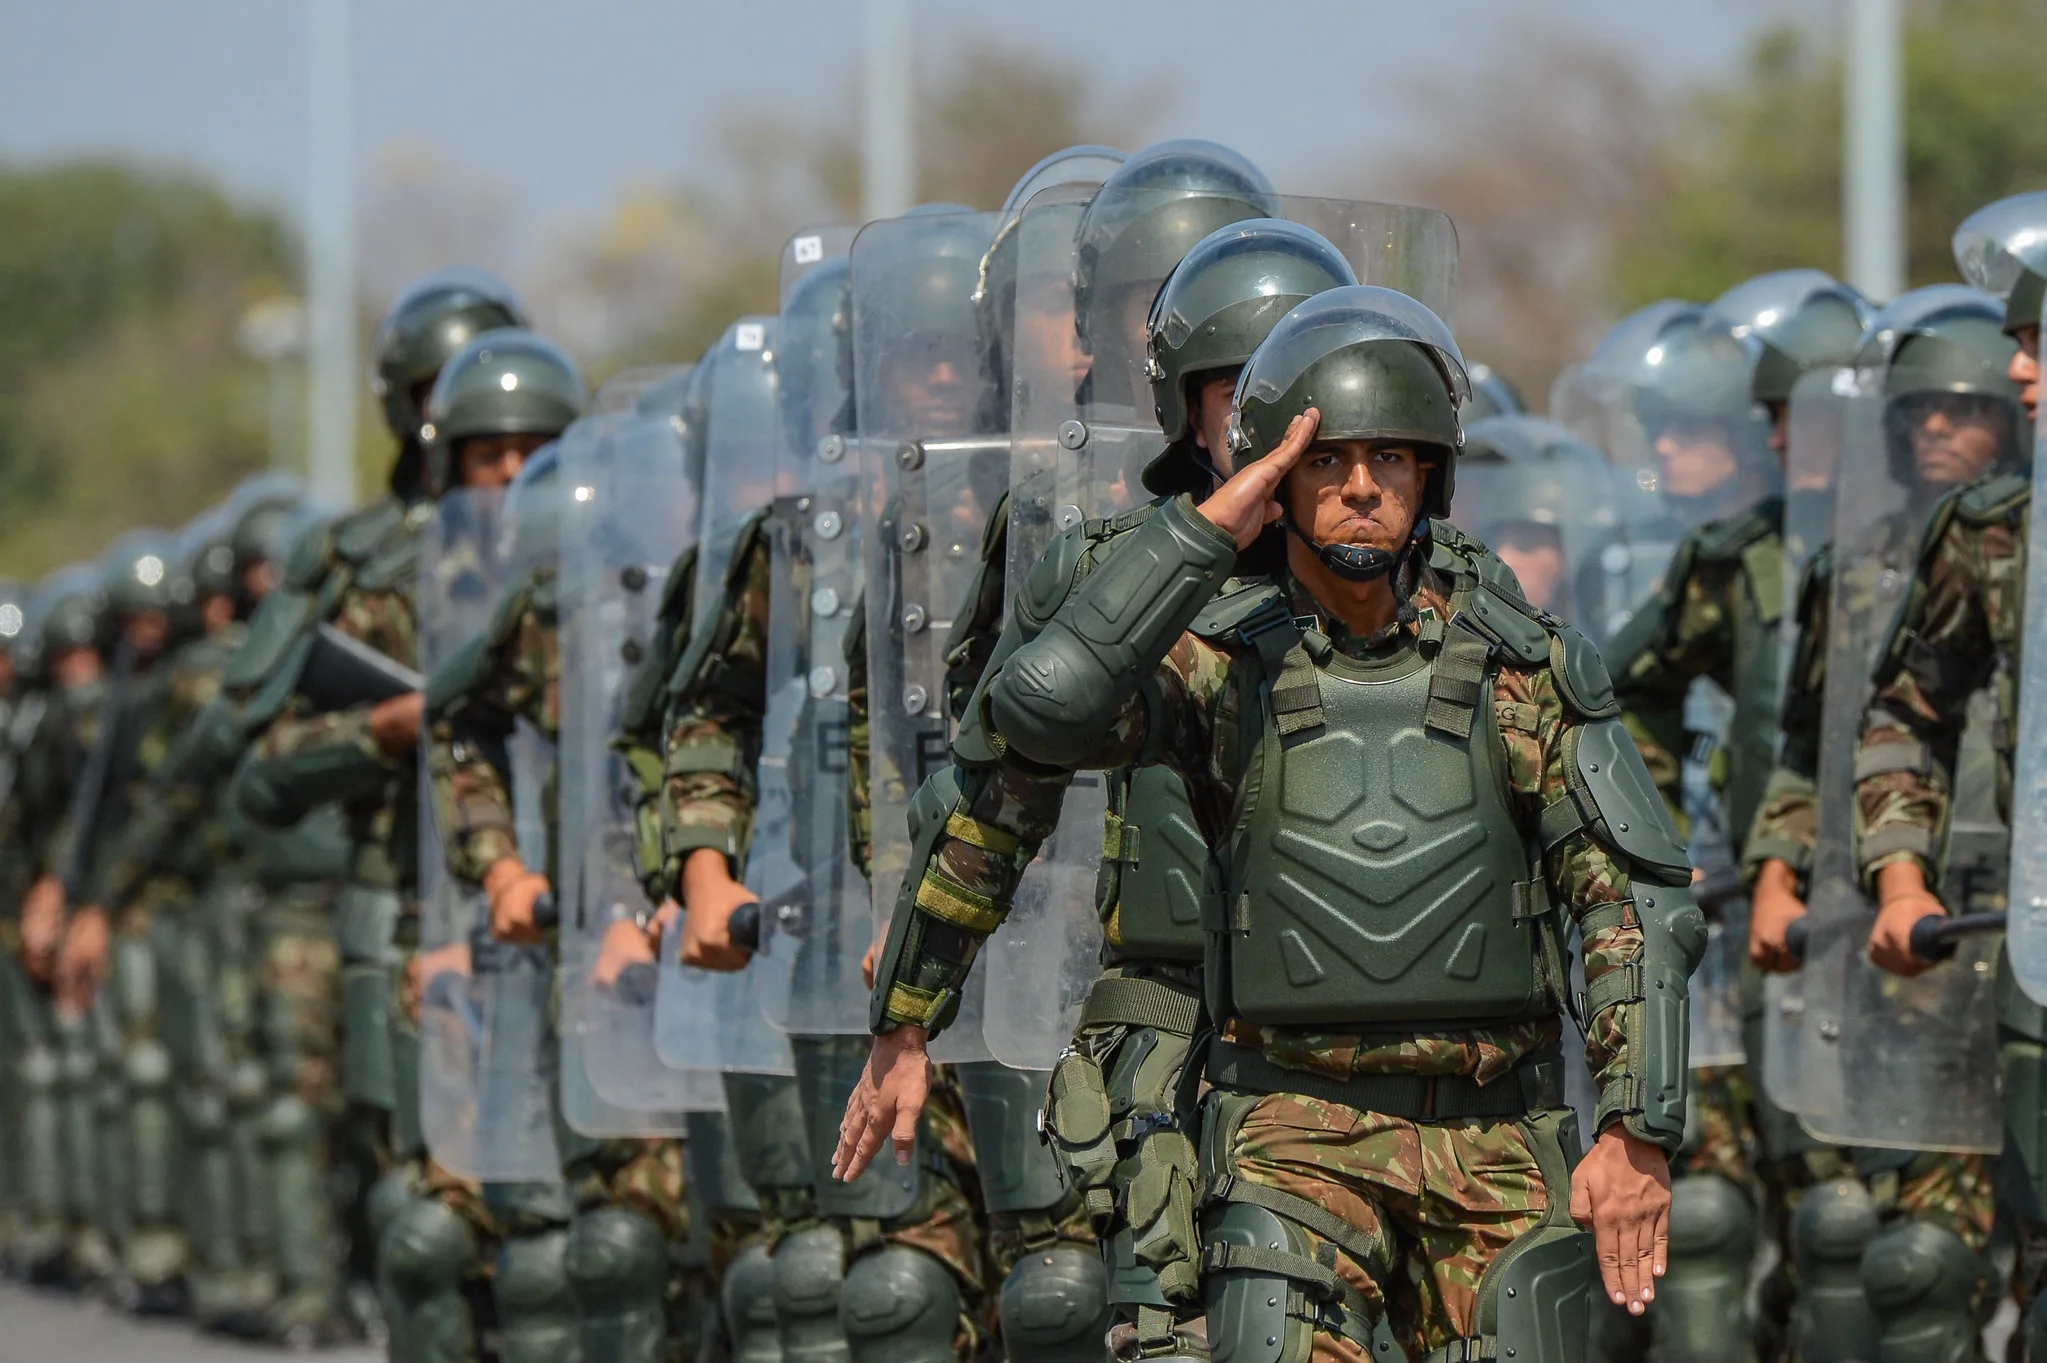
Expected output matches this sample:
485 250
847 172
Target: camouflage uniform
521 680
1433 1201
712 747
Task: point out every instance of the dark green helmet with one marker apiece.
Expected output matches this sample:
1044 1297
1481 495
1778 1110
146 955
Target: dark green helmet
1379 366
205 563
2001 248
814 356
1142 222
69 610
533 510
508 382
1492 394
1943 346
14 602
927 279
1793 321
429 325
1219 304
137 571
1693 372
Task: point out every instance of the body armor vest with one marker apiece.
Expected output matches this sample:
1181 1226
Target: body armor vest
1751 740
1154 866
1384 877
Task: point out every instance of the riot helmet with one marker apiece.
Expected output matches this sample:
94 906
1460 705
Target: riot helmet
202 568
139 568
2001 248
1142 222
814 356
509 382
431 323
1793 321
929 376
14 643
1492 394
69 611
1379 366
1939 357
1214 310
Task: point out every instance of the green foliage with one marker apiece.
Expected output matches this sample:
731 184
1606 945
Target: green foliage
123 400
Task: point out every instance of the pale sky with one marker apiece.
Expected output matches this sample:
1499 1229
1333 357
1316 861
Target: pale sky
566 102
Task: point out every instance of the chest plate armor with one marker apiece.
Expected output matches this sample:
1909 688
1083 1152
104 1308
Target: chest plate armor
1380 866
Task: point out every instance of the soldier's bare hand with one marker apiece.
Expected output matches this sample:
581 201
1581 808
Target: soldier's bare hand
886 1103
1244 506
709 896
625 944
452 959
82 959
1890 940
394 723
513 890
42 927
867 964
1620 1192
1773 907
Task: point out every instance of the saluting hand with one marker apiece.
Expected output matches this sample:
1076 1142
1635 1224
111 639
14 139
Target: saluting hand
1244 506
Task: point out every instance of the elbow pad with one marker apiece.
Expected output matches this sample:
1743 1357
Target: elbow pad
1056 697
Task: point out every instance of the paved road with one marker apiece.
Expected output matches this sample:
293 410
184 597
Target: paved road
36 1327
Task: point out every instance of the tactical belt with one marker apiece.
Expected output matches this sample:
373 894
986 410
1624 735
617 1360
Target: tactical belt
1118 999
1535 1084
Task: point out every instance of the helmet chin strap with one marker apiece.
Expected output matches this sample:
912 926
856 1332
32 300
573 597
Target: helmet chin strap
1352 562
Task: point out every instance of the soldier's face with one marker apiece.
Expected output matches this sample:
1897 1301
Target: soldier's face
1362 492
1537 560
1696 457
935 396
1212 407
2024 369
6 670
1955 442
259 578
494 460
148 631
1047 344
1780 427
76 665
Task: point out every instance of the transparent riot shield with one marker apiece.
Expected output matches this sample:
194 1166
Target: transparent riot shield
630 513
486 1103
816 921
711 1020
1887 1061
1084 427
2026 937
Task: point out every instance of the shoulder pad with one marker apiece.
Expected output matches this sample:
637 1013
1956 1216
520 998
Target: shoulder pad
282 619
682 576
510 609
1581 675
357 535
995 534
1725 539
1993 500
311 556
1509 621
1631 816
1236 603
397 565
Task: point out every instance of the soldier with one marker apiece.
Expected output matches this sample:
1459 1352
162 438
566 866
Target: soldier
511 392
30 1226
1960 631
1338 1087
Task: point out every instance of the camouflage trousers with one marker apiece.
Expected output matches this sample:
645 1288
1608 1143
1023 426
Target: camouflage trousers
1437 1201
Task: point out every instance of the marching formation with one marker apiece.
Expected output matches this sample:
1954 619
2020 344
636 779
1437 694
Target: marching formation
1087 788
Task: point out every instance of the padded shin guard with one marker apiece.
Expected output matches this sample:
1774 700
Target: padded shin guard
900 1305
536 1308
294 1150
618 1269
421 1257
1832 1321
1698 1317
748 1298
1055 1307
810 1275
154 1252
1923 1282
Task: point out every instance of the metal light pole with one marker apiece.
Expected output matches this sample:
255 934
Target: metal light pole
330 255
888 180
1873 148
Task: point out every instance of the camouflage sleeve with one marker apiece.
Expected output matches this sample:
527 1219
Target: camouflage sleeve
302 761
1786 825
713 734
1682 633
159 824
1589 881
859 746
1940 653
472 797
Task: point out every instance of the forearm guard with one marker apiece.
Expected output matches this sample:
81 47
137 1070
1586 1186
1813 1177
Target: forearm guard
345 766
1055 699
937 927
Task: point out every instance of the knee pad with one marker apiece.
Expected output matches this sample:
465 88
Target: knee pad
1829 1233
388 1196
1268 1287
424 1249
748 1298
1055 1306
536 1309
1699 1316
809 1276
617 1264
1922 1282
146 1066
899 1305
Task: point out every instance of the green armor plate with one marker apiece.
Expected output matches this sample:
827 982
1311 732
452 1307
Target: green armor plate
1157 891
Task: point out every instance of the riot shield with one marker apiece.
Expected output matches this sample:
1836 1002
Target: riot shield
486 1108
934 464
710 1020
816 919
631 512
1882 1060
2026 938
1085 426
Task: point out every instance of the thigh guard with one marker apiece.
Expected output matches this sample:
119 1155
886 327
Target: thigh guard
1923 1284
618 1268
364 922
900 1305
1831 1229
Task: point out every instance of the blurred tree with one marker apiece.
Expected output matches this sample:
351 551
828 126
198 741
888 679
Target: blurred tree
123 397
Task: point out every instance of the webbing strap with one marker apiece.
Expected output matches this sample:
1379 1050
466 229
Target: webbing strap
1600 917
1457 680
708 753
985 836
1898 838
958 905
1615 987
1881 759
1119 839
1141 1003
907 1003
1313 1215
1565 815
1297 694
1469 1349
1412 1097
